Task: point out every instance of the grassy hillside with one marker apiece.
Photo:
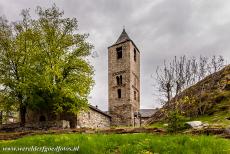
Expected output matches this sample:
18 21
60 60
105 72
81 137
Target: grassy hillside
123 143
210 97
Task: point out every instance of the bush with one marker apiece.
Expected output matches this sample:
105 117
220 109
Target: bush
176 122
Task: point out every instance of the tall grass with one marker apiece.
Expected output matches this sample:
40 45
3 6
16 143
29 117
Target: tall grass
125 143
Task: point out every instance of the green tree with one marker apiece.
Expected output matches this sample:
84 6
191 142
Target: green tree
14 64
44 63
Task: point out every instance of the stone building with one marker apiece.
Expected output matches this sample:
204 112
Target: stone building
124 81
91 118
124 94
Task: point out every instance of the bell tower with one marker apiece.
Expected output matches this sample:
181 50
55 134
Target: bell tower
124 81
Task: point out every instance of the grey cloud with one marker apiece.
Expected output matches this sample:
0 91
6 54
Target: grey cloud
160 28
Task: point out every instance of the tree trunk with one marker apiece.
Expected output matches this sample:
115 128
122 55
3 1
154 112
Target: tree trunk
22 115
1 117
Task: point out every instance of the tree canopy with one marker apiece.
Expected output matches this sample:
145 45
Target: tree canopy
43 63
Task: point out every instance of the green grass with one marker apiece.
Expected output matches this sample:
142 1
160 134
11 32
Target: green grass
126 143
218 119
158 125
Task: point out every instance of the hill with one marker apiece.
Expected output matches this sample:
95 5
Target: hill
209 99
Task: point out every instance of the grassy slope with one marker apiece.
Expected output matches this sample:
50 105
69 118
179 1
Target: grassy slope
126 143
214 94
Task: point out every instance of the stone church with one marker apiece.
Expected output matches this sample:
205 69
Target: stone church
123 98
124 81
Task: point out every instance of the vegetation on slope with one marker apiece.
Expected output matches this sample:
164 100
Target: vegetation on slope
208 98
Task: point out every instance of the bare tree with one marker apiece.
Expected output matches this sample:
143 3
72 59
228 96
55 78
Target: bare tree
165 80
194 70
203 67
183 72
179 73
216 63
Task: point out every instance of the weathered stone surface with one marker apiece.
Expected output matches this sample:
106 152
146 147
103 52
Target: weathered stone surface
195 124
65 124
122 109
92 119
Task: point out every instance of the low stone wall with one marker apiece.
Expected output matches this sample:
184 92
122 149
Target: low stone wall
49 124
9 127
61 124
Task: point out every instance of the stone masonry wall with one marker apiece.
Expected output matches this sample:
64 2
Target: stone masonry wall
89 119
122 109
92 119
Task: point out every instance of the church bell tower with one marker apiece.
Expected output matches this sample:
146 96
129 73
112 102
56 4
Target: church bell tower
124 81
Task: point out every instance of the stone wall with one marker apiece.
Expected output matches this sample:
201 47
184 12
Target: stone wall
33 116
93 119
48 124
122 109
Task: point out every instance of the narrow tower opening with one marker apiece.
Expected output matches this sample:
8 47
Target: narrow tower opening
120 79
119 93
135 54
135 95
119 52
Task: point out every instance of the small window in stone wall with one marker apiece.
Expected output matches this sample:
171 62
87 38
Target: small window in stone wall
135 54
89 115
118 80
119 52
135 95
119 93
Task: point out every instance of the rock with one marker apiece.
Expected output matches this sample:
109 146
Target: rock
205 125
165 125
227 131
65 124
195 124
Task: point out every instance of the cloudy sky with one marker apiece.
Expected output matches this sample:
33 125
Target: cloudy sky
161 29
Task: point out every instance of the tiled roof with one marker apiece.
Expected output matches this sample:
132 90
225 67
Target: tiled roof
147 112
99 111
123 37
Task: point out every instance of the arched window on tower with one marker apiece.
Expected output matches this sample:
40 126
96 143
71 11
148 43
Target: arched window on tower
119 93
119 52
118 80
135 54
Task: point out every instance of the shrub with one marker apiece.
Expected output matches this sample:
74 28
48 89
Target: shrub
176 122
